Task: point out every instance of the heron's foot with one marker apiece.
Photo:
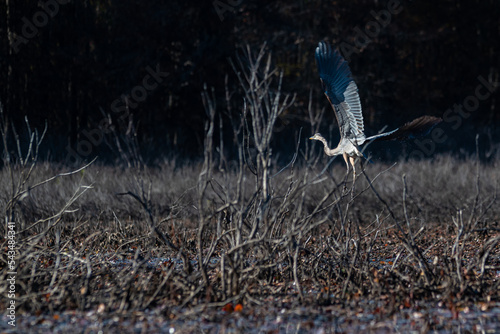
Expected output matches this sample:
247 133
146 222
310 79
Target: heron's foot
346 177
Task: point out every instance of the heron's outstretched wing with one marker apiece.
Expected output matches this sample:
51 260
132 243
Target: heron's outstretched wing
341 91
416 128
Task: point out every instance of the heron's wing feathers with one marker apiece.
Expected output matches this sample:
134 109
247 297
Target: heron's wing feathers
354 113
416 128
341 91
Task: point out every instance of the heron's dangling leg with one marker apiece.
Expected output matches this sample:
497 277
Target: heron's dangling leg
353 161
346 159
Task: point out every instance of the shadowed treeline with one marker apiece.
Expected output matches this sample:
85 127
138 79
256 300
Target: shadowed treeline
91 69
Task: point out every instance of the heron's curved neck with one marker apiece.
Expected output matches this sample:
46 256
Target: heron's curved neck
330 152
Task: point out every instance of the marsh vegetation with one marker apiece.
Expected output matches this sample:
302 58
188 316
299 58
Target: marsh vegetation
244 237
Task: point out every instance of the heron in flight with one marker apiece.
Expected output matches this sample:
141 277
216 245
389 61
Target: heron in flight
342 93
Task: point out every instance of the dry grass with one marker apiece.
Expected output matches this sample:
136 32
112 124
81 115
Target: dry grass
437 189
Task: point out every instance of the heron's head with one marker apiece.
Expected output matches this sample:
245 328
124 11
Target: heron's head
317 136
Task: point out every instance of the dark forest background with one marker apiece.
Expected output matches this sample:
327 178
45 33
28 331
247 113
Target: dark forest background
68 63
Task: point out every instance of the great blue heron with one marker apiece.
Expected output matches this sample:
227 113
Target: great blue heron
342 93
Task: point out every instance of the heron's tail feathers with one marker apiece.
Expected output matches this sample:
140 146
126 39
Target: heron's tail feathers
418 127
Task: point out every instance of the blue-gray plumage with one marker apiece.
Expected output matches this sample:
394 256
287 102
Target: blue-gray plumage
342 93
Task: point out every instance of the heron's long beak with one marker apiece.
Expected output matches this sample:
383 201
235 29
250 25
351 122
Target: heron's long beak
311 138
